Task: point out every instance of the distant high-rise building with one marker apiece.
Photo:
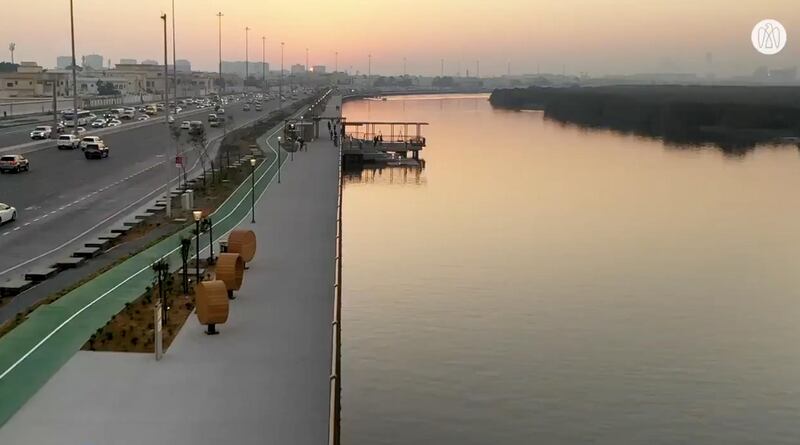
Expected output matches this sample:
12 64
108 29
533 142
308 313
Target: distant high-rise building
183 66
149 62
255 69
128 61
94 61
298 68
63 62
319 69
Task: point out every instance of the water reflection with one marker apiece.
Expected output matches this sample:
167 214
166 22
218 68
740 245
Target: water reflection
400 174
545 284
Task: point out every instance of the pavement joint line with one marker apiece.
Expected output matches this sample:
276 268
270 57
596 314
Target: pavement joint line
104 294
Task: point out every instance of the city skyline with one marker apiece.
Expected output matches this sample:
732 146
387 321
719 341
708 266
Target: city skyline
572 37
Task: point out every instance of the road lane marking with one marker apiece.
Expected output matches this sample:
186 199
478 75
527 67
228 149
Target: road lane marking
194 166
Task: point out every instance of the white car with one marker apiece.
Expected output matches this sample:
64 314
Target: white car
143 117
68 142
90 140
114 123
80 130
99 123
7 213
185 125
42 132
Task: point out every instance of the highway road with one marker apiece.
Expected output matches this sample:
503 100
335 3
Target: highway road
66 198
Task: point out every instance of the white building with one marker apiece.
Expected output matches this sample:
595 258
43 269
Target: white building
183 65
63 62
94 61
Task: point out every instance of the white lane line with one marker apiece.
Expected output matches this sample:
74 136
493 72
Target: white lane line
6 233
88 305
15 229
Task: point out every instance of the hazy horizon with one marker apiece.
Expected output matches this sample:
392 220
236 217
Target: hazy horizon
597 37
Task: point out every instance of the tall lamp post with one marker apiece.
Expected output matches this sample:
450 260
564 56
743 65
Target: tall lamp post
221 85
280 141
280 86
74 73
253 189
264 62
168 210
246 56
197 214
210 224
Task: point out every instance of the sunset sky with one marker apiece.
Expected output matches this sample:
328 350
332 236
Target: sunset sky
594 36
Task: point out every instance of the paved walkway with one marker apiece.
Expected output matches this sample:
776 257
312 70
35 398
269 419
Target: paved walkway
263 380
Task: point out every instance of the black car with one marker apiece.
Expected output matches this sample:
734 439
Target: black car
95 151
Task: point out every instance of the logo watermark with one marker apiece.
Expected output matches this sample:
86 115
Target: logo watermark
769 37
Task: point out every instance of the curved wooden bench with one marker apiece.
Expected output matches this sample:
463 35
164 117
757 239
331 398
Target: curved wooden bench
230 270
211 299
243 242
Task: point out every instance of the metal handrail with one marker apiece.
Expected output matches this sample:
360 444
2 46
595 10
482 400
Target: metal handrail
334 419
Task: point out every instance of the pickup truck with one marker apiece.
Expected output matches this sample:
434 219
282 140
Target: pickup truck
68 142
95 151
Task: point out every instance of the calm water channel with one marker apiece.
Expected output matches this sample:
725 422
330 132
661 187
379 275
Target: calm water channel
544 284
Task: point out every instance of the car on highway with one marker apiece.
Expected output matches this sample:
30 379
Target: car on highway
114 123
215 123
68 142
128 113
151 110
143 117
99 123
14 163
185 125
259 107
196 128
95 151
90 140
212 117
80 130
246 107
41 132
7 213
221 111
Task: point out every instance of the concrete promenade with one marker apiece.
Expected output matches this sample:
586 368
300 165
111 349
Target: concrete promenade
263 380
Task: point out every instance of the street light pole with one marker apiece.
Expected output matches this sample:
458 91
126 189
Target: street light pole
246 56
174 61
210 240
221 85
264 62
167 195
74 73
280 86
197 214
253 189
